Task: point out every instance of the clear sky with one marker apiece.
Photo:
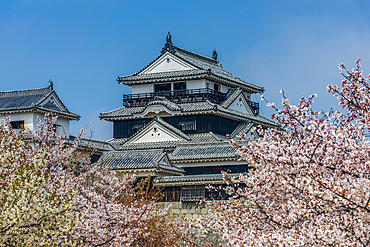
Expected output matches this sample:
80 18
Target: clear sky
85 45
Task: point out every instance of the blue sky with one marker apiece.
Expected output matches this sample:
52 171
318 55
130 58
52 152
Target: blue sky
85 45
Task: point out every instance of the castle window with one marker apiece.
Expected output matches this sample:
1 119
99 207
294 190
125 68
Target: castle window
137 126
189 125
192 193
162 87
179 86
56 128
216 87
17 124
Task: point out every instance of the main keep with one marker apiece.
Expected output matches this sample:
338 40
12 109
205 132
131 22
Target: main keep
174 124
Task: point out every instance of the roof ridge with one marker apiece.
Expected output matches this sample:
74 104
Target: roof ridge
31 89
216 143
197 55
232 97
113 110
241 127
138 151
214 136
177 131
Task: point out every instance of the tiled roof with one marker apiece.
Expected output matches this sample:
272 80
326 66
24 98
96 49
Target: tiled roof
93 144
119 144
203 151
206 67
184 108
122 112
162 75
30 99
192 178
160 100
206 137
148 145
136 159
241 128
22 99
231 96
215 68
196 106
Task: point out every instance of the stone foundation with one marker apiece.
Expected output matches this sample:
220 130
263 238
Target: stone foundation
185 209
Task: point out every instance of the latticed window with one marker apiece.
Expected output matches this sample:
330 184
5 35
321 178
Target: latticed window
171 194
189 125
192 193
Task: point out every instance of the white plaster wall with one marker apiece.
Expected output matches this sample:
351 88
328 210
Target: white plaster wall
155 136
169 64
221 88
195 84
239 105
31 122
64 130
27 117
224 88
142 88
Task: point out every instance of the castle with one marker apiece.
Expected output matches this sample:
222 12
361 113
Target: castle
174 124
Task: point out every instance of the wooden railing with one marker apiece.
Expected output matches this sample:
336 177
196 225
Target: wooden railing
174 93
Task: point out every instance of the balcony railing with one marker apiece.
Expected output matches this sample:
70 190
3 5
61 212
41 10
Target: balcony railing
181 96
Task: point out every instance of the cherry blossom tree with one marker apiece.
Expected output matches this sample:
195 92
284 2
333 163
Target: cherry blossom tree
36 206
309 177
119 213
51 196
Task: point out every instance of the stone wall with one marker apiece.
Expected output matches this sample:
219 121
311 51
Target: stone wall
185 209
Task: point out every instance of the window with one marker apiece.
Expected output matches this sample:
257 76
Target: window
216 87
179 86
17 124
192 193
57 129
162 87
189 125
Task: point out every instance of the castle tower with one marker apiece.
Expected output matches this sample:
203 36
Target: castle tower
174 124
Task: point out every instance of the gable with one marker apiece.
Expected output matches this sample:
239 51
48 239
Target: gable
53 102
165 161
155 132
240 104
167 63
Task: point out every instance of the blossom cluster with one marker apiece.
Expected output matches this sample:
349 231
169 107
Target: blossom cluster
309 177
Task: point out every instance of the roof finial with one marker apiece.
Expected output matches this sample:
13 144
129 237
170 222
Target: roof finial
214 55
168 38
168 46
51 83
